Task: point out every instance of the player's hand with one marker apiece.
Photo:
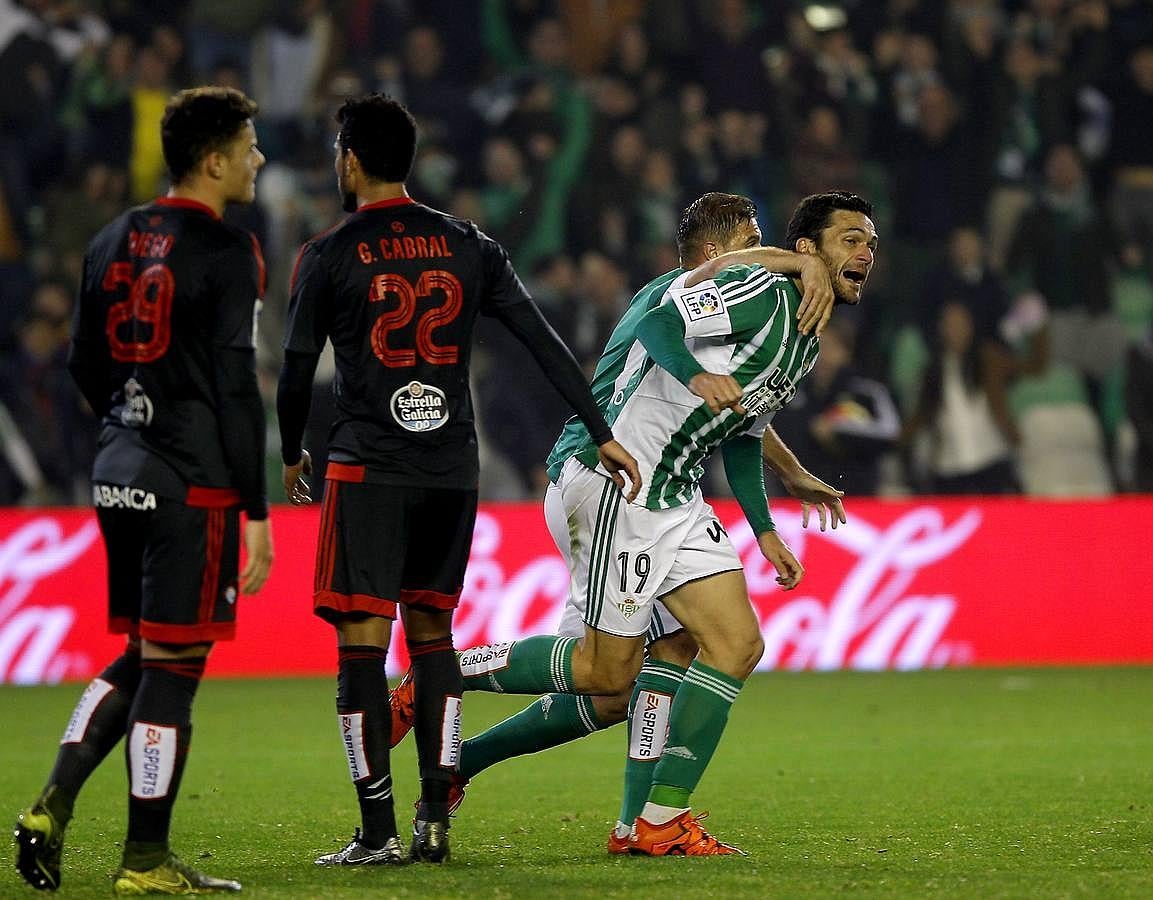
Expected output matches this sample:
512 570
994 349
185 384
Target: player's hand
296 489
617 460
789 569
718 391
258 555
815 494
817 297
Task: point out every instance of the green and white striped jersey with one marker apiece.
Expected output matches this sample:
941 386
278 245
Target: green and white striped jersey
741 323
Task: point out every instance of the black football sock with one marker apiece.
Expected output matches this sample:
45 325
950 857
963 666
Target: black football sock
158 736
365 725
437 689
97 724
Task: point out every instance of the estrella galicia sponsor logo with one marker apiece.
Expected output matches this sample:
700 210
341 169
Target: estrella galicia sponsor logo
113 496
419 407
137 409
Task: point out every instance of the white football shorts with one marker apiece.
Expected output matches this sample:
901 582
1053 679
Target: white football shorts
622 557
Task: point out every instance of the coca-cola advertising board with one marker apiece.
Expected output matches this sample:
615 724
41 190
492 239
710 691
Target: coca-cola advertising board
904 585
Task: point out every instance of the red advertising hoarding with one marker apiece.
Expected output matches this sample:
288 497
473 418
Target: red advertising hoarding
904 585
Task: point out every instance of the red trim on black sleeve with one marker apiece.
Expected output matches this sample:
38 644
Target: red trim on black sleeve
261 269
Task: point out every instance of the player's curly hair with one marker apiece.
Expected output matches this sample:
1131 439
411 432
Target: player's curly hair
382 134
712 217
199 121
812 214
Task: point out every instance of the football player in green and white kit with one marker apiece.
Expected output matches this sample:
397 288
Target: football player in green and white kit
700 361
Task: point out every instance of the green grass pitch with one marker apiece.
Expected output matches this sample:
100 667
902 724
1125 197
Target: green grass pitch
960 783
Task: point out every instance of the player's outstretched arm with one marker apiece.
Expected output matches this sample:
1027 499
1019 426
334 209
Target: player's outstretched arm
527 324
258 555
662 333
817 297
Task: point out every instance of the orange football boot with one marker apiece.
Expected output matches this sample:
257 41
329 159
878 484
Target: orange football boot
403 703
682 836
618 845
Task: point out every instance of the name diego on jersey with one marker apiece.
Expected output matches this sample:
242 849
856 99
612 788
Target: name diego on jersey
419 407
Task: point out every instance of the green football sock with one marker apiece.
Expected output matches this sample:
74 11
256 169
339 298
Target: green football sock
697 720
535 665
648 726
552 720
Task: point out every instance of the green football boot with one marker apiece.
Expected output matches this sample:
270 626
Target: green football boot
173 876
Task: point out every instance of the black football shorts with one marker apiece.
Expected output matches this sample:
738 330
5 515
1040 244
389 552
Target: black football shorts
383 544
172 569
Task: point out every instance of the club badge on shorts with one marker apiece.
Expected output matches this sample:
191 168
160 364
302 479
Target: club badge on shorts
419 407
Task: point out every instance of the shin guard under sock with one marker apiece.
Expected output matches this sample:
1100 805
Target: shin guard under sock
697 720
552 720
437 687
649 711
96 726
156 748
535 665
365 721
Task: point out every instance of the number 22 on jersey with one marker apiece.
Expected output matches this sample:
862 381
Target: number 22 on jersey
406 294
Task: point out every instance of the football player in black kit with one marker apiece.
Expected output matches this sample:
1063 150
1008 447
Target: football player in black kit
163 351
397 287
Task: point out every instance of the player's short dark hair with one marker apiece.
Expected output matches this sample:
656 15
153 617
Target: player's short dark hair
712 217
812 214
199 121
382 134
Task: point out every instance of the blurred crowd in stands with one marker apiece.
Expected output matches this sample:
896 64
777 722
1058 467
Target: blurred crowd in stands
1004 343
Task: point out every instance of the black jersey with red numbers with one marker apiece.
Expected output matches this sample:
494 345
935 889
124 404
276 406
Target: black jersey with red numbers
397 287
163 350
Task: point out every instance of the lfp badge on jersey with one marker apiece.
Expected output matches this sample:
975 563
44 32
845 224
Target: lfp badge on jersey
702 304
419 407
